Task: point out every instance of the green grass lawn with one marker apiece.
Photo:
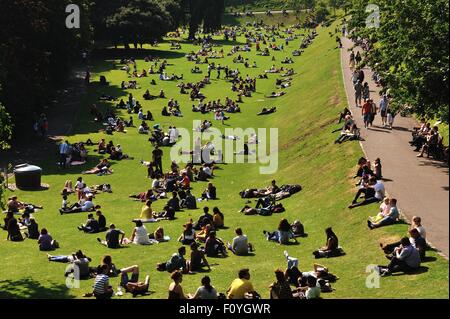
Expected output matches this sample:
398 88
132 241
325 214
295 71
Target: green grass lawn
305 118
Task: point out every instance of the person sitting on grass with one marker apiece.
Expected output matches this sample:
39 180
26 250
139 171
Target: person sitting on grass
158 235
416 240
13 229
218 218
205 219
215 247
406 258
174 202
167 214
139 236
147 212
188 235
46 242
205 291
81 206
204 233
91 226
198 260
33 229
385 209
210 192
176 263
298 229
175 289
102 288
281 288
417 224
241 288
112 237
240 245
331 248
373 190
283 235
189 202
389 219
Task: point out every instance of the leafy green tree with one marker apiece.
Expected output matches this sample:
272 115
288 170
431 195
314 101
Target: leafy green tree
5 128
411 52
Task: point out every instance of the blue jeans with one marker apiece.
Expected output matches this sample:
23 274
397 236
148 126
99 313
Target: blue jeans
60 259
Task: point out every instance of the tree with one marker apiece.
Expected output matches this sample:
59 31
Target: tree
5 128
36 54
139 22
411 52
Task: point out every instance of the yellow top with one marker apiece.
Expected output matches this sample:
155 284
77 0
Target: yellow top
146 212
238 289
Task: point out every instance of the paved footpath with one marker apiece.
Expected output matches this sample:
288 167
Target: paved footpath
420 185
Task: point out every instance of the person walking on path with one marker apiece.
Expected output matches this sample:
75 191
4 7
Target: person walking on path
384 104
358 93
63 152
366 112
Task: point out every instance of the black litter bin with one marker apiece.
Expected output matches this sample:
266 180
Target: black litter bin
28 176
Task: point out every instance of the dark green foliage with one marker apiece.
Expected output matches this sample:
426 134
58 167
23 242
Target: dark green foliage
411 52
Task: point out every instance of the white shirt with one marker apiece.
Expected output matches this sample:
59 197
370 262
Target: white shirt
88 205
422 232
312 293
379 190
141 236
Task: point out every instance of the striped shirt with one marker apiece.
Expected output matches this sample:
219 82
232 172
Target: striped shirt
64 148
101 284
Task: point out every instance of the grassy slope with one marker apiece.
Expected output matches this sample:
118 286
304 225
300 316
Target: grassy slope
308 156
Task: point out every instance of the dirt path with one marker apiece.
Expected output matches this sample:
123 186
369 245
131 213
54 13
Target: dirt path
421 185
61 116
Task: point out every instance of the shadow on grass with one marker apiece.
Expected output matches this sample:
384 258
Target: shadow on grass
420 270
31 289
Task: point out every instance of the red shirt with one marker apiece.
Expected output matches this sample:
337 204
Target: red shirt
366 108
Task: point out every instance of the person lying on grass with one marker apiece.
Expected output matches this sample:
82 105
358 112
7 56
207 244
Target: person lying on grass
388 219
83 205
144 196
240 245
15 206
275 95
406 258
176 263
266 111
79 264
102 168
283 235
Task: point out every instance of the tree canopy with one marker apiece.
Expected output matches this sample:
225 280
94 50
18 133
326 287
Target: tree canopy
410 49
